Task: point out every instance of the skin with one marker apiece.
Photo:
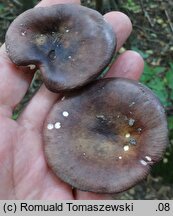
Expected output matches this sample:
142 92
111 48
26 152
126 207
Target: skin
24 172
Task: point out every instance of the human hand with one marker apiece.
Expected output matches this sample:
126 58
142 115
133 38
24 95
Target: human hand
24 171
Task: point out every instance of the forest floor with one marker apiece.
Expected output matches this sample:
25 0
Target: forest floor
152 37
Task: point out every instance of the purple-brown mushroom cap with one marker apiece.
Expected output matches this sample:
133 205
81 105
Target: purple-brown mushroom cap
105 137
70 43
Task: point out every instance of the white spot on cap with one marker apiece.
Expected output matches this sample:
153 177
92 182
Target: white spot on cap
148 158
139 130
131 122
133 103
126 148
31 66
132 141
143 162
102 117
58 125
23 33
67 30
50 126
65 114
69 57
127 135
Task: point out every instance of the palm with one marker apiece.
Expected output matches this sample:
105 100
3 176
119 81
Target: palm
27 175
24 171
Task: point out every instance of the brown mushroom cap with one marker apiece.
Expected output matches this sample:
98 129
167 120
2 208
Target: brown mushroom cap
72 44
105 137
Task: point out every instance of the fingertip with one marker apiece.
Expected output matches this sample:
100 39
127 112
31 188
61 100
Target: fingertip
121 25
123 19
129 65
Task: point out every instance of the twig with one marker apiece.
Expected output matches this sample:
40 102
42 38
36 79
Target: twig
147 29
169 20
146 14
17 3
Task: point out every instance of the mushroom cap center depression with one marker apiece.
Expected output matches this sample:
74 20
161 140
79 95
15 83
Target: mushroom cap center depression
103 138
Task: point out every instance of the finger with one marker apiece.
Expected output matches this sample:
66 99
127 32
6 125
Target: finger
34 114
128 65
121 25
14 82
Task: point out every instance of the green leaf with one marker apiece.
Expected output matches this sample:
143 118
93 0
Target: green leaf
1 6
169 78
171 94
171 65
148 69
148 73
170 122
145 78
158 70
163 96
157 84
132 5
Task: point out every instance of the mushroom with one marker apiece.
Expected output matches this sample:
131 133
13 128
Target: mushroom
105 137
70 43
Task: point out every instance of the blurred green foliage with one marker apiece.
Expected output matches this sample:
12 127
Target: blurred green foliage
132 6
160 81
170 123
1 7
